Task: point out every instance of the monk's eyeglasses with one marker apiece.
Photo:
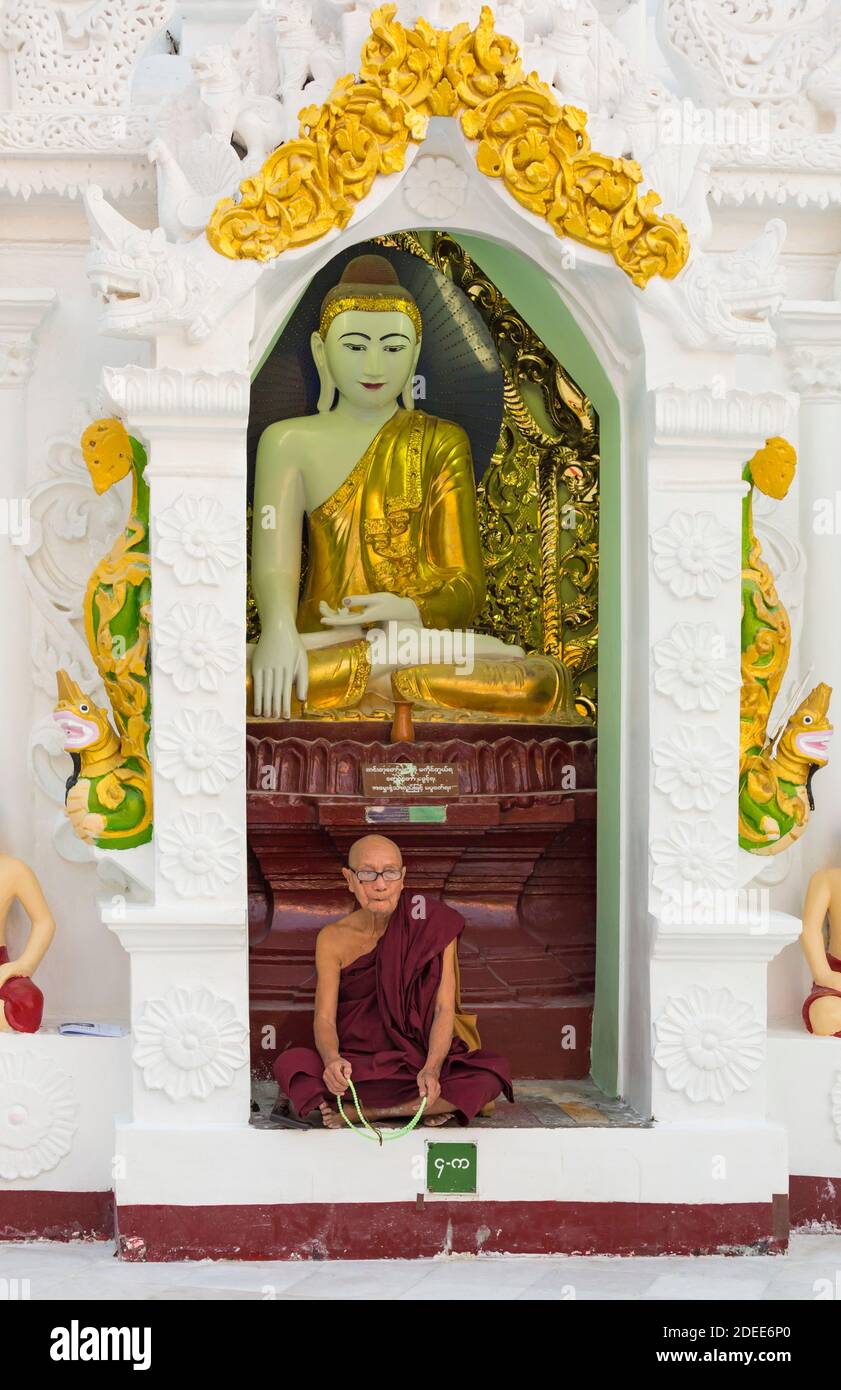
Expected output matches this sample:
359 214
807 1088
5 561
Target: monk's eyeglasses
371 875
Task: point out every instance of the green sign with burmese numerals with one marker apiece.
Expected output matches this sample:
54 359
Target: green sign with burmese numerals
450 1167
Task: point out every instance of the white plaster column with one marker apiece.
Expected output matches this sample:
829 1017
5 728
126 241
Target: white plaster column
812 333
710 945
189 987
21 313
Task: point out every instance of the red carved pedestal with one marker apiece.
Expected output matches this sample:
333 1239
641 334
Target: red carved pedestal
516 856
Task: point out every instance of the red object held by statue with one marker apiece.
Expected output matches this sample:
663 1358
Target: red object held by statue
23 1000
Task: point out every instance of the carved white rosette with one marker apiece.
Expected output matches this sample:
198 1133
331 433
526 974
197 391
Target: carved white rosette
198 751
694 767
38 1114
695 667
196 647
189 1043
200 853
709 1044
198 539
693 554
695 858
435 187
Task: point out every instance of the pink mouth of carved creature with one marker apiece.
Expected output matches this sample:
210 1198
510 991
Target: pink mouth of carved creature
373 385
815 745
77 732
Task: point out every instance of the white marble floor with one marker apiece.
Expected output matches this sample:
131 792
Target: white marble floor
46 1270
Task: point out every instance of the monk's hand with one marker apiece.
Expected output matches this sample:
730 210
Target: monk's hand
336 1074
429 1085
279 663
371 608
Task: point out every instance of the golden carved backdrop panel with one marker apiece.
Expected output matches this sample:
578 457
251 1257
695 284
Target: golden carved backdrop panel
539 499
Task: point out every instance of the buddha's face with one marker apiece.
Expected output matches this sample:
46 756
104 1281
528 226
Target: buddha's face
370 354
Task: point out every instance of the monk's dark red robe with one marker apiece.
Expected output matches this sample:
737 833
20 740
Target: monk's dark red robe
384 1017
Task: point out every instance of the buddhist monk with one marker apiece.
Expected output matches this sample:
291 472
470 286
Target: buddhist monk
385 1008
21 1001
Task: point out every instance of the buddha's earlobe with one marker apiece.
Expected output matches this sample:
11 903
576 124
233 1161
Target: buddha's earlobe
407 398
328 389
328 385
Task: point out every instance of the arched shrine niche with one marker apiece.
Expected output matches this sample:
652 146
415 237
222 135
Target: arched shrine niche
501 820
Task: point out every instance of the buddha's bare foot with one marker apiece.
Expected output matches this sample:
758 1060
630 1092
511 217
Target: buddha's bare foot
435 1120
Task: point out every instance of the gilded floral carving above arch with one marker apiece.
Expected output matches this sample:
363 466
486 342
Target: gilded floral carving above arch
536 145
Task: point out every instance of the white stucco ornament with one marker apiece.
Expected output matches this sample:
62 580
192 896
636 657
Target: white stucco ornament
189 1043
195 646
694 767
709 1043
835 1101
198 751
435 187
38 1113
696 856
693 554
694 667
199 853
198 539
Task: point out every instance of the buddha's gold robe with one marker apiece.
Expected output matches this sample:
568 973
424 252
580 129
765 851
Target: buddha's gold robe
405 522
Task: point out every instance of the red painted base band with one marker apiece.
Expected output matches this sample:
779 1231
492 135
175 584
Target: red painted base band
815 1200
56 1216
402 1230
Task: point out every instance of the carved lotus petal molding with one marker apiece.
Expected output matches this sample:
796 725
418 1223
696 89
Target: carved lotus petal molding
200 853
198 539
196 646
695 667
189 1043
694 767
693 554
37 1116
198 751
709 1044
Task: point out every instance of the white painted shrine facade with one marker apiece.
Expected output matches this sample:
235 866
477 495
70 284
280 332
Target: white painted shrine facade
744 344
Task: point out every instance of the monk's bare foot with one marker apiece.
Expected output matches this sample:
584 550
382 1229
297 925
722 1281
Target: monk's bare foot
332 1119
434 1120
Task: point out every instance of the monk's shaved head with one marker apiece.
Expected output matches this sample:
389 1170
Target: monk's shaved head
371 844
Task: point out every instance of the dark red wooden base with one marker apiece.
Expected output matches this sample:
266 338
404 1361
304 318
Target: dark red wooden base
815 1201
56 1216
403 1230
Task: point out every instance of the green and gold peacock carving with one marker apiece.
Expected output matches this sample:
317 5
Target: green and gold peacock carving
775 766
109 793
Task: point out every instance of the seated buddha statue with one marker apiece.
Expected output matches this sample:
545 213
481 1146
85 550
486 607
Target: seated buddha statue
394 577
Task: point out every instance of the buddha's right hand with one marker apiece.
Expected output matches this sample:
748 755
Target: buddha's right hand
336 1074
279 662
